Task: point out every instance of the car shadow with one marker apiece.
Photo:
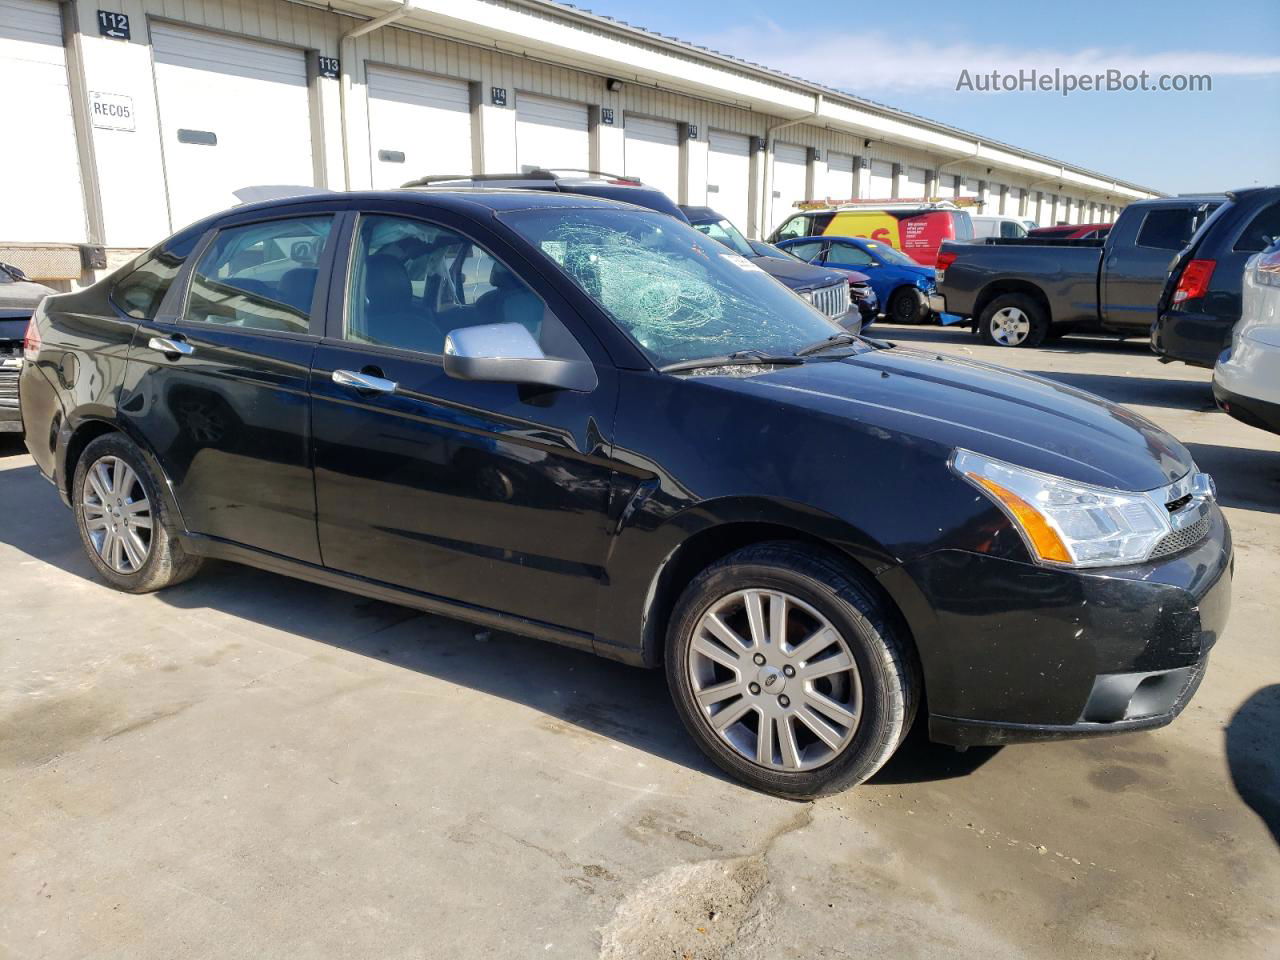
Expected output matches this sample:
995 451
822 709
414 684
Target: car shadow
1247 478
960 334
11 445
572 689
1252 757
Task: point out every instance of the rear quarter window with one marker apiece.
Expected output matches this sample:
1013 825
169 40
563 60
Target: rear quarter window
1261 232
962 225
140 292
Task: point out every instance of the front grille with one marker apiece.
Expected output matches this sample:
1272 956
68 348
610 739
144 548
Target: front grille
1182 539
832 300
8 387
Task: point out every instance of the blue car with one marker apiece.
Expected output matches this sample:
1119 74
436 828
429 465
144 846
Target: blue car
901 284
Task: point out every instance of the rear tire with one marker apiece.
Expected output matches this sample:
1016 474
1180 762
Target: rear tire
908 305
1013 320
124 521
814 706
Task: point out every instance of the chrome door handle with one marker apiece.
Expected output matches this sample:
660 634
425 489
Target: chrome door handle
363 381
166 345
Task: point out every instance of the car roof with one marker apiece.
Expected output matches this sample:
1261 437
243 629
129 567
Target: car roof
701 213
456 198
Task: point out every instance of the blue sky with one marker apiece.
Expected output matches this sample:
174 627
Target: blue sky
910 57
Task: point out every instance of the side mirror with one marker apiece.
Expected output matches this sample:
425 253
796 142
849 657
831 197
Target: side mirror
507 353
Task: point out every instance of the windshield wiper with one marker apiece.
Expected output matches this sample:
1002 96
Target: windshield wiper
737 358
835 340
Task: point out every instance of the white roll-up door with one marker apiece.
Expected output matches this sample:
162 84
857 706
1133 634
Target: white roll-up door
914 184
233 113
839 182
1045 214
653 153
881 180
992 205
1013 202
969 187
39 163
418 126
551 134
729 175
790 173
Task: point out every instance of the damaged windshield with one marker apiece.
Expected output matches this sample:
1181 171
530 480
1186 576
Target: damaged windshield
678 294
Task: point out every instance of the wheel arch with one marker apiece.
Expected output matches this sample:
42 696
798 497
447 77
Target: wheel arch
852 551
84 431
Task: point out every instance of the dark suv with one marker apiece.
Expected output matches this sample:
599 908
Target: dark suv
1201 300
583 422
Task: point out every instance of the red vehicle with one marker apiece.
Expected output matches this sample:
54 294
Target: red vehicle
1071 231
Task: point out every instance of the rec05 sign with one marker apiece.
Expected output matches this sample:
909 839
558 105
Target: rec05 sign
111 111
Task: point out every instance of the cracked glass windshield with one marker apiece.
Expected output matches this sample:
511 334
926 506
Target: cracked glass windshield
679 295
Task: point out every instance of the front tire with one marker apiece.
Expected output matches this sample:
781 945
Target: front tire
908 305
1013 320
788 673
124 522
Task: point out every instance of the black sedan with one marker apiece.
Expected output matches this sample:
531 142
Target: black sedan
583 422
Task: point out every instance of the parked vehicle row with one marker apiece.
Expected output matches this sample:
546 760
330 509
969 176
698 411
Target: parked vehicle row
1170 269
1020 292
581 421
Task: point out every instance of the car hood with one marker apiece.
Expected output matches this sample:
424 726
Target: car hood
796 274
1011 416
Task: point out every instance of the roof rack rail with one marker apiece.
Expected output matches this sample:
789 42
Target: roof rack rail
538 173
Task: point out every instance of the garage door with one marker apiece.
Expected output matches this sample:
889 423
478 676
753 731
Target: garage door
1044 214
551 134
881 180
969 187
418 125
790 171
992 206
839 183
1013 203
729 175
233 113
39 165
914 186
653 154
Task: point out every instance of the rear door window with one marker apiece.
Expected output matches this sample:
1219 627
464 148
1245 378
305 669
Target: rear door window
261 275
962 225
1262 231
1166 229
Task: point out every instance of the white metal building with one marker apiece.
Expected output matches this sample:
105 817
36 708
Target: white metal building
139 119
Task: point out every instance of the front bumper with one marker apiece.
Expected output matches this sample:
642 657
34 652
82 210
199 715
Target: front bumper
1016 652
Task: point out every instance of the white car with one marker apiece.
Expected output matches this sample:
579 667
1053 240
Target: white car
1009 228
1246 380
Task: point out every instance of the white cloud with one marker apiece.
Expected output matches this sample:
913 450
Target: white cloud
868 61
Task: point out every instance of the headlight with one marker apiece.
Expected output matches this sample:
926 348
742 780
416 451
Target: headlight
1065 523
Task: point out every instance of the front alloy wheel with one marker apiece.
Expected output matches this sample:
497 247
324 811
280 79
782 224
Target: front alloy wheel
788 670
775 680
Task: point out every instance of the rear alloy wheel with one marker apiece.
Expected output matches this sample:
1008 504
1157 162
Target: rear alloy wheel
787 672
1013 320
908 305
123 521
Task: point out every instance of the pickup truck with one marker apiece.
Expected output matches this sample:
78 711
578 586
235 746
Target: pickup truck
1019 292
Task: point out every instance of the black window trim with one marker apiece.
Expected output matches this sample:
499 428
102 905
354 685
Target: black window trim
319 296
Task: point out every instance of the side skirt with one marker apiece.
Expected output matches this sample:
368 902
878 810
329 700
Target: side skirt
216 548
